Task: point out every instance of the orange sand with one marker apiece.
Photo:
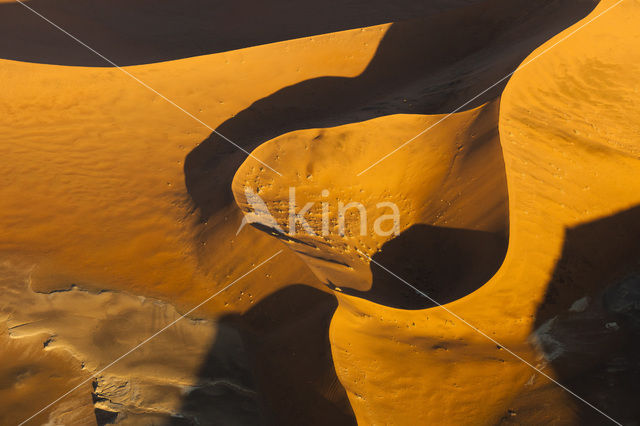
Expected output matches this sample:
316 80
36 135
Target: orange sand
95 196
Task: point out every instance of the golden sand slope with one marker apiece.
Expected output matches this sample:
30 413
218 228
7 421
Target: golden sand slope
95 196
458 165
94 169
94 193
571 157
102 158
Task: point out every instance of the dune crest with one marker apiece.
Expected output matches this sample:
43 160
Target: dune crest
564 161
452 168
519 212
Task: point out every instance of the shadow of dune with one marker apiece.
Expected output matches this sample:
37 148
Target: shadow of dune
132 32
424 66
589 322
287 374
444 263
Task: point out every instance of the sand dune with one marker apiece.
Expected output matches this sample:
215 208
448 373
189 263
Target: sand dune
412 71
434 345
314 160
519 212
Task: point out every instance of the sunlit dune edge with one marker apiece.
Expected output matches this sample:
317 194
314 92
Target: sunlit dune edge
506 207
571 160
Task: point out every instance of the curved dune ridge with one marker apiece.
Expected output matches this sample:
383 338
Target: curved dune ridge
518 212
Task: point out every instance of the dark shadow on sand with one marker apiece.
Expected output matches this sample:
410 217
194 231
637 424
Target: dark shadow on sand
418 68
597 341
282 363
132 32
444 263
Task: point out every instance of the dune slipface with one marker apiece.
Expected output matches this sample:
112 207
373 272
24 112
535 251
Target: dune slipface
511 201
567 165
457 165
96 198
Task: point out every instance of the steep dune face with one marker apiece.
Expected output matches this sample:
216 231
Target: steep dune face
457 164
442 177
570 159
94 192
113 190
429 65
569 131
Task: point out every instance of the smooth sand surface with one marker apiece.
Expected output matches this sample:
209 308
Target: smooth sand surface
519 212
